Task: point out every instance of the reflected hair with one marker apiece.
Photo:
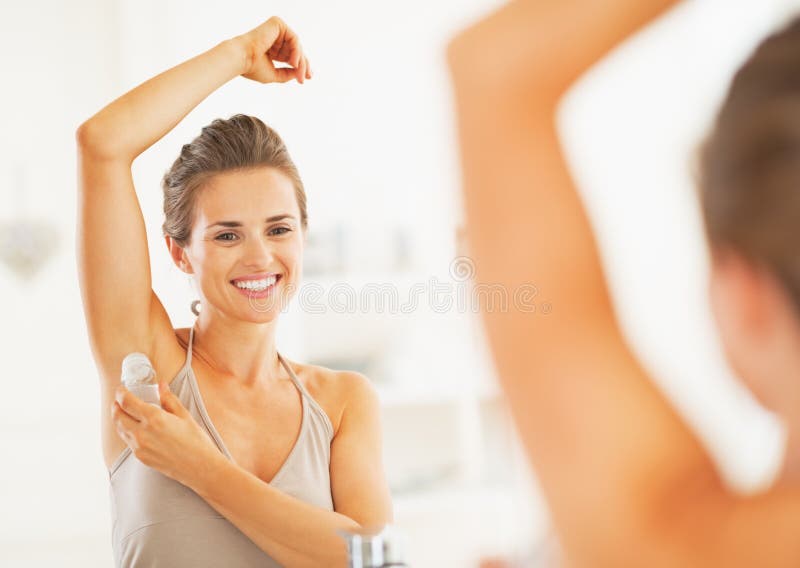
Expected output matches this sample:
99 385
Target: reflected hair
749 165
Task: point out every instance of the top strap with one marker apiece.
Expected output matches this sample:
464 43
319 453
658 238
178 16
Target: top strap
326 421
294 378
189 349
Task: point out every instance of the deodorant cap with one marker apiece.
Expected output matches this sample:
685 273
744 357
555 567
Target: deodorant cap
137 369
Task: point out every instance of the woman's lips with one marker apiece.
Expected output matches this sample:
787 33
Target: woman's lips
256 276
258 294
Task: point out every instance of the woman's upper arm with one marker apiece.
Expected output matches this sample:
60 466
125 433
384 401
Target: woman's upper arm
358 482
626 482
609 451
113 260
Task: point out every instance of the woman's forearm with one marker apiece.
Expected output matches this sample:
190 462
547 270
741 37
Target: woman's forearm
130 124
541 46
293 533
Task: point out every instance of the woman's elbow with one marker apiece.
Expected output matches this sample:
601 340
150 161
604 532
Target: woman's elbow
93 139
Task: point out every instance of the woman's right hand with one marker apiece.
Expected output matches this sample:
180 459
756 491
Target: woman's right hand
273 41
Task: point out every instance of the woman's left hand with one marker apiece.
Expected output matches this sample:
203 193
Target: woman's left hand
167 439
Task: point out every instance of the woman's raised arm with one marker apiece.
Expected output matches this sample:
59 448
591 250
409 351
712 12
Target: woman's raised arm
122 312
626 481
132 123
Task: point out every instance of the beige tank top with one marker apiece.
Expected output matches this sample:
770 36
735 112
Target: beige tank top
158 522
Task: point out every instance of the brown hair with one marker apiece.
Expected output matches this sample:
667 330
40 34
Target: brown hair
750 163
239 142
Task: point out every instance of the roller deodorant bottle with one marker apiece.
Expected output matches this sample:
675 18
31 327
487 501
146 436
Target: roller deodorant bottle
139 377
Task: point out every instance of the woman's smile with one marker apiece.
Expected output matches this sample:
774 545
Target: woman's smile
255 286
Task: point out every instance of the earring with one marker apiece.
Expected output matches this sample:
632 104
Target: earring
195 307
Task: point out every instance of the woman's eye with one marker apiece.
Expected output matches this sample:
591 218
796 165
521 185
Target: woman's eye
233 236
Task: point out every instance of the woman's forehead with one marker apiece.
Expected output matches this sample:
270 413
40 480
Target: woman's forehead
243 195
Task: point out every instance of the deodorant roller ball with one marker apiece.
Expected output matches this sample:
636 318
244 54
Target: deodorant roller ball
139 377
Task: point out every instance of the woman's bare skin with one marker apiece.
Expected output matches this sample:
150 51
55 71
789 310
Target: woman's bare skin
626 481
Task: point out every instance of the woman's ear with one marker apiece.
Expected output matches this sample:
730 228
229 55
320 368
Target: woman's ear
751 292
178 255
185 265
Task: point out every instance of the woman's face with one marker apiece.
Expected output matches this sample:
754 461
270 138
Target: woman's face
246 247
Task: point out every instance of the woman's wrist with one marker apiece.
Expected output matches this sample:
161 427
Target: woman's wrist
207 480
238 48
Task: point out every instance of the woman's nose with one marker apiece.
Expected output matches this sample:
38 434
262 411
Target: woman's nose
258 252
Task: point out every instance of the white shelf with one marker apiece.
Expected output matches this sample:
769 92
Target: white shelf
449 497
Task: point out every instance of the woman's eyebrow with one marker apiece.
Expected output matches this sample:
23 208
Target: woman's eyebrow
239 224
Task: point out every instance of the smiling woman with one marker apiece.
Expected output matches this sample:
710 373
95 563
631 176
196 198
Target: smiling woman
242 227
251 460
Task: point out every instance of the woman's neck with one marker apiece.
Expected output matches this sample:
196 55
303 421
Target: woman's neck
243 351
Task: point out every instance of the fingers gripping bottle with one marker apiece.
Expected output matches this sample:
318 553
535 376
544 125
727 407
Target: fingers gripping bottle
139 377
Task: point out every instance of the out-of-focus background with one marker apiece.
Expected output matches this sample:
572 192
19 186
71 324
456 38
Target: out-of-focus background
373 136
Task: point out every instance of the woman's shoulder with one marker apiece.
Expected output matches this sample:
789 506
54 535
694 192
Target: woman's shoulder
331 388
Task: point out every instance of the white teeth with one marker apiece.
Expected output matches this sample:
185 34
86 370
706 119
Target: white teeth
256 285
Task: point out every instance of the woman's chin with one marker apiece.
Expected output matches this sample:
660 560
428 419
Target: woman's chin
261 310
